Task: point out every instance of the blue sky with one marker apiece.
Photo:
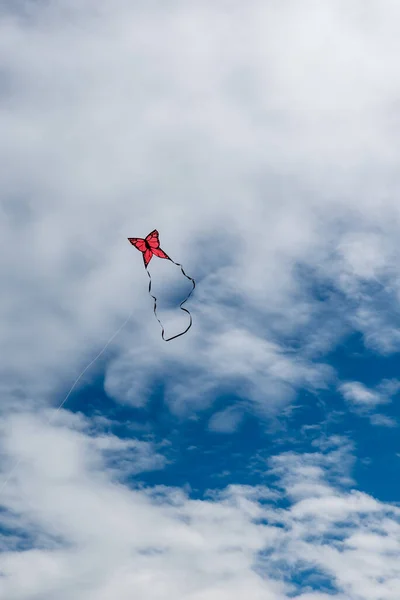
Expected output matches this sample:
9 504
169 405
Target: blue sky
258 455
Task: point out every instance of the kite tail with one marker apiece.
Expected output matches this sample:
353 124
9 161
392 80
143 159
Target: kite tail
180 305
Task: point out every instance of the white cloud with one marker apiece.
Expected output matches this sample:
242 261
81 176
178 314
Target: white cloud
383 421
359 394
84 535
364 400
227 420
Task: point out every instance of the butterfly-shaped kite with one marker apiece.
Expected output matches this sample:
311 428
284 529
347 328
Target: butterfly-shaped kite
150 246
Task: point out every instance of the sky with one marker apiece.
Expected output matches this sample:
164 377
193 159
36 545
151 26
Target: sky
258 455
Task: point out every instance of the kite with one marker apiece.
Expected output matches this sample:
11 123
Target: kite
150 246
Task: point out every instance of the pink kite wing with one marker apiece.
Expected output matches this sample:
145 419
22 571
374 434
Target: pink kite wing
139 243
152 239
160 253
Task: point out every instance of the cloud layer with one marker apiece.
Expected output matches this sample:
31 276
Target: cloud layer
262 142
79 532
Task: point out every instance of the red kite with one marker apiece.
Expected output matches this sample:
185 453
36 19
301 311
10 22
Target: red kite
149 246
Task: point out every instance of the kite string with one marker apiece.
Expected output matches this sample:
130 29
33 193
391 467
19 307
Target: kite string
180 305
114 335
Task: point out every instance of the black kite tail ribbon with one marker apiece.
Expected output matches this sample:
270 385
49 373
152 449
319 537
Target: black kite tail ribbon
180 305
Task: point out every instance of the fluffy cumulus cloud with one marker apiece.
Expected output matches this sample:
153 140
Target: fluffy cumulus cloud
77 532
261 139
